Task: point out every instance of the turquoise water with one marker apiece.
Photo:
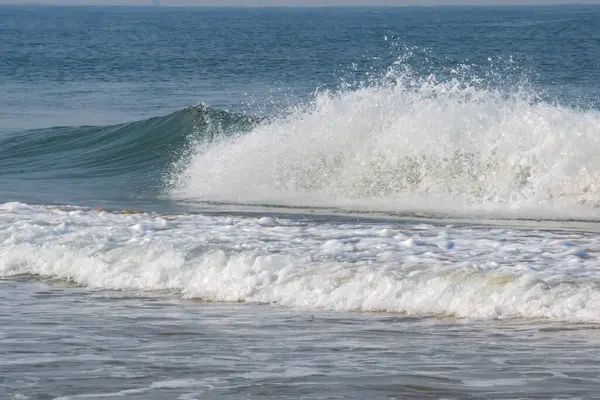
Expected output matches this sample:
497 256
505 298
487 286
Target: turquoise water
299 203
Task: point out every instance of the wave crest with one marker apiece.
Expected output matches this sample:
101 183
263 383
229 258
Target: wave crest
410 144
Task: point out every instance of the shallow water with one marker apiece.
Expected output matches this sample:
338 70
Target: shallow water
95 344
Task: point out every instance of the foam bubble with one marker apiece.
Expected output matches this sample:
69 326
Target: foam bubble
267 221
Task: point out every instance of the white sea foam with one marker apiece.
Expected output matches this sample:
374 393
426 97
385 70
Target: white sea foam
417 145
394 267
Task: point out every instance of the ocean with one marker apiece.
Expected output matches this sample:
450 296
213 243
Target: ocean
302 203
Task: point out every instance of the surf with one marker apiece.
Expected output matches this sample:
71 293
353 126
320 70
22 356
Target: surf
450 144
358 266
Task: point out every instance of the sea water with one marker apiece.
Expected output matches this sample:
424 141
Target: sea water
299 203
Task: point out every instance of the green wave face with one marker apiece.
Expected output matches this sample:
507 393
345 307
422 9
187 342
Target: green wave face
125 160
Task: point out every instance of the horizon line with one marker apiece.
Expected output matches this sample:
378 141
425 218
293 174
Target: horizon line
154 6
158 6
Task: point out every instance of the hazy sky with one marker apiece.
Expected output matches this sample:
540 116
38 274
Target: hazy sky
297 2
